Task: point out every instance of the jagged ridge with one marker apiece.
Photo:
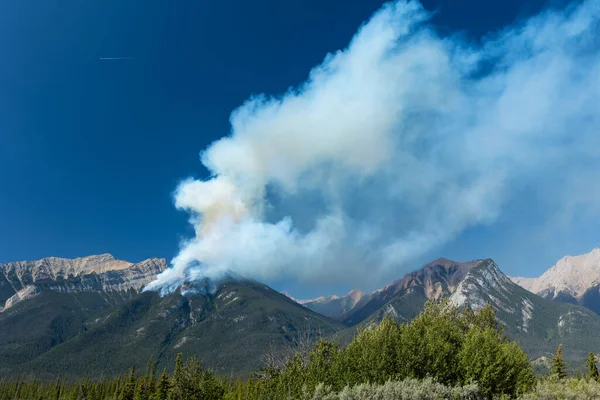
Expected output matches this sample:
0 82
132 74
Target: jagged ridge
100 273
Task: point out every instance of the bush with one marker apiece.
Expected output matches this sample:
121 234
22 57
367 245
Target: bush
497 366
409 389
372 356
572 389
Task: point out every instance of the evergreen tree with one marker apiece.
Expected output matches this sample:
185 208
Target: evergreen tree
191 381
142 391
56 390
592 367
128 390
559 368
151 374
161 392
117 388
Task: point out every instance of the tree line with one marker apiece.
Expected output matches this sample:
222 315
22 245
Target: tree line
456 353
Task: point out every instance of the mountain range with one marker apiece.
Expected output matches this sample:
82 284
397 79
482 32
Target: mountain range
89 316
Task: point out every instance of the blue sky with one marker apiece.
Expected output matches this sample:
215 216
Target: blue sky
91 150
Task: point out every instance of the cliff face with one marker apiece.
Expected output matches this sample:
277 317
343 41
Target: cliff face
538 324
570 276
404 298
102 273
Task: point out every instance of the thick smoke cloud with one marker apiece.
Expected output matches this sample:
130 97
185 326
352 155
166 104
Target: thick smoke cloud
394 146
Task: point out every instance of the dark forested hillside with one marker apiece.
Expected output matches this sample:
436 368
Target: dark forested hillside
229 330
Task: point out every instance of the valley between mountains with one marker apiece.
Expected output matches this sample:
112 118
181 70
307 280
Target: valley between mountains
90 316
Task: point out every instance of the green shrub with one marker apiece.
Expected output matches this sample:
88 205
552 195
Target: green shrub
372 356
499 367
572 389
408 389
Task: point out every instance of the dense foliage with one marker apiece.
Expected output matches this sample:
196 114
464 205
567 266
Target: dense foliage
444 353
451 346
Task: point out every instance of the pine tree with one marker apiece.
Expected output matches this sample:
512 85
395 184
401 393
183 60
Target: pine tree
117 389
178 381
128 390
162 387
142 391
593 368
151 374
558 364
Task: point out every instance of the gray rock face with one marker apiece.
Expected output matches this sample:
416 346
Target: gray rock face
404 298
538 324
101 273
573 279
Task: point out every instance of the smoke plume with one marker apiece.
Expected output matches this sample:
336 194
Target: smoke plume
395 145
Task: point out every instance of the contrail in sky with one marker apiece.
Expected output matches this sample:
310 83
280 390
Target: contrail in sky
117 58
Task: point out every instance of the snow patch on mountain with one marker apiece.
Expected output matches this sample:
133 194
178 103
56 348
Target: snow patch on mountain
391 311
527 313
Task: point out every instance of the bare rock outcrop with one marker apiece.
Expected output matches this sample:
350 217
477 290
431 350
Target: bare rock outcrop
99 273
571 276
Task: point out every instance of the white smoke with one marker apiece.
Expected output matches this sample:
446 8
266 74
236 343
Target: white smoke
394 146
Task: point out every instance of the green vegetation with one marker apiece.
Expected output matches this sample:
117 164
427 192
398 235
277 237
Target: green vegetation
593 367
576 389
84 335
444 352
559 368
443 343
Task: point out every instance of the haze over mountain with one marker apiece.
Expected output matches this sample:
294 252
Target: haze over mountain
573 279
336 306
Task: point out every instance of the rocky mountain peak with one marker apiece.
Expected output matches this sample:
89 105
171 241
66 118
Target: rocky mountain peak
482 284
570 277
98 273
335 306
356 295
52 268
437 278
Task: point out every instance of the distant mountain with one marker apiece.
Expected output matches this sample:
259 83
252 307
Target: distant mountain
102 273
89 323
336 306
50 301
537 323
573 279
404 298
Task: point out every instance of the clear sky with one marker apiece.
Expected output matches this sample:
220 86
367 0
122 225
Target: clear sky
91 150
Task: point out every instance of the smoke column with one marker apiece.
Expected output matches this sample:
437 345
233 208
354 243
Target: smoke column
395 145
